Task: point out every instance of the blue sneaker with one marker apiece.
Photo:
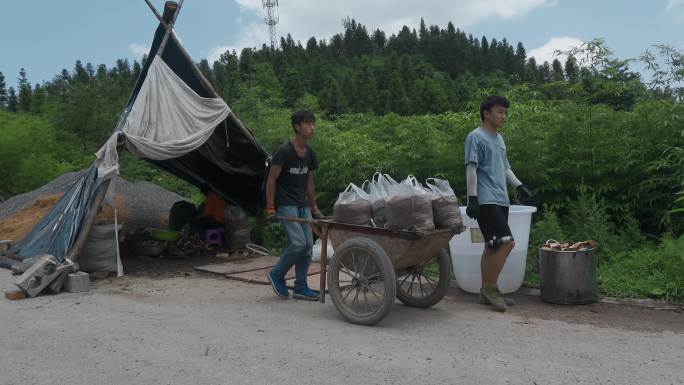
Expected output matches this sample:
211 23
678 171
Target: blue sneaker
278 285
306 294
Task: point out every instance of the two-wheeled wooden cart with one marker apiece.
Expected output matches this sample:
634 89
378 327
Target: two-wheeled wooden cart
371 266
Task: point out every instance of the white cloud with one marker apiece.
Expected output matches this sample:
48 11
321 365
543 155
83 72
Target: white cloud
676 9
546 51
253 35
215 53
306 18
138 50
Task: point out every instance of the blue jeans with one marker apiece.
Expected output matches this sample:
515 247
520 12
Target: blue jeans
299 245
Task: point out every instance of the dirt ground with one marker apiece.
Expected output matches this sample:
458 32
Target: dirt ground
165 323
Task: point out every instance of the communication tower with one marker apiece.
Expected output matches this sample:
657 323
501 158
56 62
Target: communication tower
271 19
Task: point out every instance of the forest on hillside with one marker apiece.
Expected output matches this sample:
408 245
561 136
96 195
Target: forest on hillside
600 144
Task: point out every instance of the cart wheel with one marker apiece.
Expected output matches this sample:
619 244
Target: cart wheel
416 286
361 281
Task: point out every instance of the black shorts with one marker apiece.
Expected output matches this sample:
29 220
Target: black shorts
493 222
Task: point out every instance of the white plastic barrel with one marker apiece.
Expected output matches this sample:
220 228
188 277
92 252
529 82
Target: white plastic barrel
467 247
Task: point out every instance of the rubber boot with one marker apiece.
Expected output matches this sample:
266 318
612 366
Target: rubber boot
509 301
492 297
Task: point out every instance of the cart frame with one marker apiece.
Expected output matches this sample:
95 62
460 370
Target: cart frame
404 248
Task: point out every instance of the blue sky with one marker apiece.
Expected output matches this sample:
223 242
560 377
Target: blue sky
46 36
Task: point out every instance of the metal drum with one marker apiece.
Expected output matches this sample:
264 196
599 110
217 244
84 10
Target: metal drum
568 277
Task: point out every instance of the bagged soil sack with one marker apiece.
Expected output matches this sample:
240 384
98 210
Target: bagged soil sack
378 193
409 207
445 208
352 206
99 253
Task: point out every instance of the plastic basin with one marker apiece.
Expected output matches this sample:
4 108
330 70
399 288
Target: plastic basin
467 247
163 234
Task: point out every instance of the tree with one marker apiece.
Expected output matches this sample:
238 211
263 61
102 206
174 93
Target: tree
396 99
12 102
60 84
520 58
464 90
331 98
293 86
124 70
380 40
312 46
571 69
24 92
365 89
557 71
247 64
356 39
38 99
80 74
269 88
485 63
231 75
423 37
337 46
206 70
101 73
430 96
531 72
404 42
544 72
3 91
137 69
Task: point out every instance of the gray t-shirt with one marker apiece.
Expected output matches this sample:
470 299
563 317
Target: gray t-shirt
488 151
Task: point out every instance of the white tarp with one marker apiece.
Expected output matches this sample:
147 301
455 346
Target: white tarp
167 120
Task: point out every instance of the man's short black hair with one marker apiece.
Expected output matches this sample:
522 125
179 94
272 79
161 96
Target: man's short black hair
303 116
491 102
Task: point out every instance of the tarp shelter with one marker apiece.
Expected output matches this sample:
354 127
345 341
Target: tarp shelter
175 120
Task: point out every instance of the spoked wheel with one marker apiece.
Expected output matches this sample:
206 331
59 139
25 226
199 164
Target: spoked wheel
426 284
361 281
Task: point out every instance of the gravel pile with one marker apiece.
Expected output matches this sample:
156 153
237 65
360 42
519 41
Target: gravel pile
145 204
58 185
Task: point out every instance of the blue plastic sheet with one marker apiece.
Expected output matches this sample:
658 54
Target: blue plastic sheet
57 231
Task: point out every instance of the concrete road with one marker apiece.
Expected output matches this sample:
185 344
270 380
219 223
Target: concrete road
198 329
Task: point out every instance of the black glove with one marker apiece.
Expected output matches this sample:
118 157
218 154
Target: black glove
524 194
473 209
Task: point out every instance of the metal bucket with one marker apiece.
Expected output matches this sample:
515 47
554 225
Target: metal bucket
568 277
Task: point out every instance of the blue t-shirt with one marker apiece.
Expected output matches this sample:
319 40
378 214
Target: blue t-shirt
488 151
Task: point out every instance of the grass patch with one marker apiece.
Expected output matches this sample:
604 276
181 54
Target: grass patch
655 271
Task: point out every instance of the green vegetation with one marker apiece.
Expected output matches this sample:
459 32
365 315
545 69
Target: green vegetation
602 149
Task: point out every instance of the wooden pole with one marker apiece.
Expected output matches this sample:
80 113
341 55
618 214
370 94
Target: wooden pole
156 13
169 7
324 261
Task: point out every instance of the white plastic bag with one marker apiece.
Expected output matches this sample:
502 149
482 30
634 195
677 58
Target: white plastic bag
352 206
445 208
318 247
409 206
378 192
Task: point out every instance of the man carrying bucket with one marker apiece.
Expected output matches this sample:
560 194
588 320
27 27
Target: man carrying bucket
487 171
290 192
